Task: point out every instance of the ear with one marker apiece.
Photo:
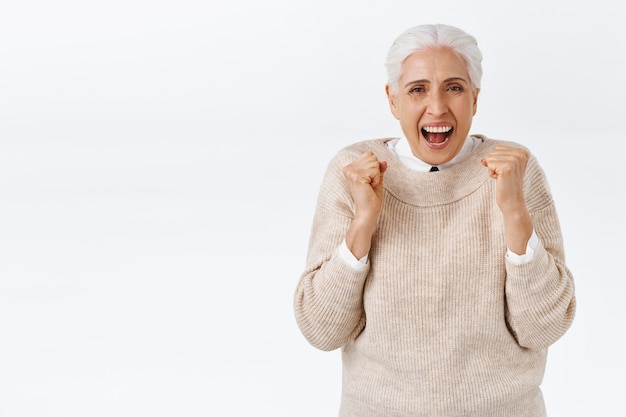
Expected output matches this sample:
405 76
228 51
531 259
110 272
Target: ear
393 106
475 104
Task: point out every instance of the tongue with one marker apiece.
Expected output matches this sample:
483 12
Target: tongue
436 137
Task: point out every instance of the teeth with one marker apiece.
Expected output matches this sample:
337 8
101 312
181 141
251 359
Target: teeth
437 129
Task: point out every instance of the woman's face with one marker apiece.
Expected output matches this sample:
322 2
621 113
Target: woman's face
435 103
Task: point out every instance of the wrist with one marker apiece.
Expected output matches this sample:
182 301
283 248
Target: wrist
366 217
364 223
515 210
359 236
518 228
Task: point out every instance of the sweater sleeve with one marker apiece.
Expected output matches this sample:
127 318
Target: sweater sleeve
540 294
328 301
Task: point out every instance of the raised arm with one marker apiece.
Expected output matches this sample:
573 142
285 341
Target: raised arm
329 296
540 293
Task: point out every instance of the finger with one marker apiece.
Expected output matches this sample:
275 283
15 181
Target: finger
361 175
368 163
378 178
490 168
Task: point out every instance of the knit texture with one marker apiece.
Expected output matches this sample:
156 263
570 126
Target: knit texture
439 323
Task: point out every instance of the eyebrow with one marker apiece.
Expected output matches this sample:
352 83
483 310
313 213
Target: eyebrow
447 80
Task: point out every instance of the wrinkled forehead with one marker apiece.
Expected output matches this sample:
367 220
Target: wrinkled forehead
433 63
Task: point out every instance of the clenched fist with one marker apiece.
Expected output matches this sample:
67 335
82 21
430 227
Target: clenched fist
507 165
365 179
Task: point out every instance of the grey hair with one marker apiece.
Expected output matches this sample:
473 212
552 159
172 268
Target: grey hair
433 36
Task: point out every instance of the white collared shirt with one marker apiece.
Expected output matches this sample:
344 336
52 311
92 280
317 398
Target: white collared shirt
402 149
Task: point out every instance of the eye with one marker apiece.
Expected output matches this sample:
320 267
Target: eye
417 90
456 88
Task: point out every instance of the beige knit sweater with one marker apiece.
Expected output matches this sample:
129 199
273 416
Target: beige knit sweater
439 323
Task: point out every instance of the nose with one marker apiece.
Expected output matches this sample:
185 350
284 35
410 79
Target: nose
437 105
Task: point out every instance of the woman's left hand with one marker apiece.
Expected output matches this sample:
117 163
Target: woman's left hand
507 165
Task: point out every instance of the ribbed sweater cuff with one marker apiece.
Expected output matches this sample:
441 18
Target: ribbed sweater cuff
343 281
529 276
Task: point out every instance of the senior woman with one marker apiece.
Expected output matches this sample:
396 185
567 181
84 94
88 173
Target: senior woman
436 260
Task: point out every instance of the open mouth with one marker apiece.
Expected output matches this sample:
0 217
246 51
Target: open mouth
437 136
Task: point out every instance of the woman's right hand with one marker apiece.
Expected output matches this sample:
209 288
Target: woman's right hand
365 179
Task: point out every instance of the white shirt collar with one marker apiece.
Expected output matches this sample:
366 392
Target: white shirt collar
403 150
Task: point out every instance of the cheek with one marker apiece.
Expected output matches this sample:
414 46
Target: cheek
411 111
465 112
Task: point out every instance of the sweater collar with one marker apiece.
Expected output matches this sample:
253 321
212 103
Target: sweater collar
425 189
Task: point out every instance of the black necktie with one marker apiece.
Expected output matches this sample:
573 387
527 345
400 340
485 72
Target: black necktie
434 169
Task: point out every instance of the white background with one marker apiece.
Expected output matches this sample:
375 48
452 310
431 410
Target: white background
159 165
